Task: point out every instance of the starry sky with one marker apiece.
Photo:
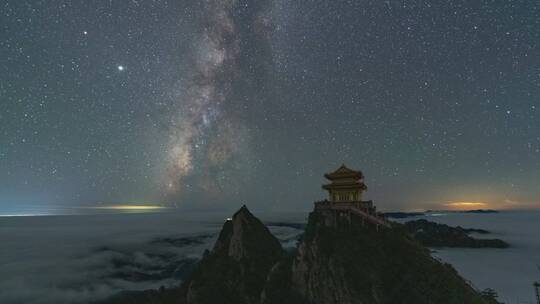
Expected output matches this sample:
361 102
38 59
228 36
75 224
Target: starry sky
213 104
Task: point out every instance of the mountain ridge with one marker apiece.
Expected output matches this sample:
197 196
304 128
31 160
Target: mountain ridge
339 259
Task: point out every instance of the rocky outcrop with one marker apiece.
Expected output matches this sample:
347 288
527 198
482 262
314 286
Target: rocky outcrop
351 263
236 269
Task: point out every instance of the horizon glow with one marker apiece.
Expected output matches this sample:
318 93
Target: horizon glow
466 205
130 207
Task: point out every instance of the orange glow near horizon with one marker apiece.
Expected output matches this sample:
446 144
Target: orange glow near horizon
466 205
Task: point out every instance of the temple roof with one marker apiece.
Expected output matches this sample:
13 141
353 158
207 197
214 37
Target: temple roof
344 172
351 185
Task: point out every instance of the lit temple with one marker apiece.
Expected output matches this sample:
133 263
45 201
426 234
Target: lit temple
346 185
345 198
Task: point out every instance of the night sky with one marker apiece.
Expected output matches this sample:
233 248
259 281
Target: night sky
213 104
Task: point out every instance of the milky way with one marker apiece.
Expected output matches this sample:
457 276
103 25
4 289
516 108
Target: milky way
204 136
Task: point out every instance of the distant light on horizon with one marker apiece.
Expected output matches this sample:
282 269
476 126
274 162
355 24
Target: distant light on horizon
23 214
466 205
30 211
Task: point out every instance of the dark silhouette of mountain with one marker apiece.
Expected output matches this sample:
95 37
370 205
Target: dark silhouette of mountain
463 211
439 235
340 259
481 211
402 214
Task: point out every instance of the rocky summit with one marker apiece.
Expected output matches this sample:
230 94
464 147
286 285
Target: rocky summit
350 262
236 269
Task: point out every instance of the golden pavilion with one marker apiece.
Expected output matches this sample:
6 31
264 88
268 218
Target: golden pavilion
345 198
345 185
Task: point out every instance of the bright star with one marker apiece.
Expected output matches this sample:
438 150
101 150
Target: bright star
121 68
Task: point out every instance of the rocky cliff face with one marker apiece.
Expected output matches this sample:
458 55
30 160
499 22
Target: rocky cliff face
351 263
339 261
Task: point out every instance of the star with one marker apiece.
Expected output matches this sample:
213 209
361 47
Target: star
121 68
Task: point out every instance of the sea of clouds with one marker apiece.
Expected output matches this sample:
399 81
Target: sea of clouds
510 271
85 258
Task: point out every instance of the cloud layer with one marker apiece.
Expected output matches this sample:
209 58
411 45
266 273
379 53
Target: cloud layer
82 258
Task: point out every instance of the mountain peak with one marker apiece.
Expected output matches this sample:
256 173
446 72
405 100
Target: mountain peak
235 270
243 212
243 209
245 236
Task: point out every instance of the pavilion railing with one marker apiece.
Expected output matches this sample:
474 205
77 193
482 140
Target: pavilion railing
361 208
